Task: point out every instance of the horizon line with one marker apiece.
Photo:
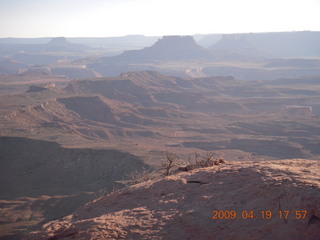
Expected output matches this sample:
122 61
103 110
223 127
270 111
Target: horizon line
143 35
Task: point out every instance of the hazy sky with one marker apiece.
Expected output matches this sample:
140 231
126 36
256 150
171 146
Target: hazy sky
101 18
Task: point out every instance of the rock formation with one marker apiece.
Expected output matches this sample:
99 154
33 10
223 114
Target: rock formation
237 45
62 44
169 48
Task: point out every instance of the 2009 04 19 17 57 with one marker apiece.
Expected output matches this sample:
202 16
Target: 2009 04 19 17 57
264 214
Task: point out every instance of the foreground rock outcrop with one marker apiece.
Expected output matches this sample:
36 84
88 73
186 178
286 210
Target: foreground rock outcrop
183 206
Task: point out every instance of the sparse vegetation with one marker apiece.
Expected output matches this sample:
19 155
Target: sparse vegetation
173 161
136 176
169 163
101 193
207 161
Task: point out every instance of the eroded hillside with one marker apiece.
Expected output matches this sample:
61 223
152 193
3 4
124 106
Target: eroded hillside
251 200
147 112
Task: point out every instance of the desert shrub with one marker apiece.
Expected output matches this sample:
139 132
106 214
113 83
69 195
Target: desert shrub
207 161
103 192
136 176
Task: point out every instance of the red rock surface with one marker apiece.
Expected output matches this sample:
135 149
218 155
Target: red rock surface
180 206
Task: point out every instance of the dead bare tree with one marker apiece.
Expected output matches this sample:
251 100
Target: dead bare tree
170 162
